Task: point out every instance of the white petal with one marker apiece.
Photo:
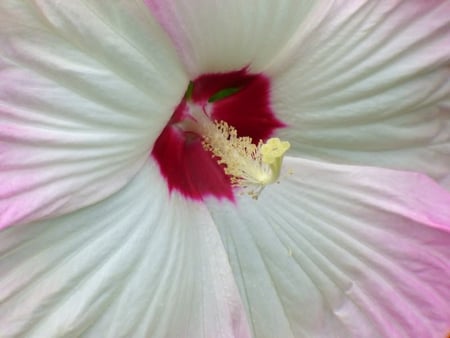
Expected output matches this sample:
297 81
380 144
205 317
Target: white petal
368 82
218 36
341 251
139 264
85 88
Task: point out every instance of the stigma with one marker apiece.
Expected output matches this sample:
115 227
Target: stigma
251 166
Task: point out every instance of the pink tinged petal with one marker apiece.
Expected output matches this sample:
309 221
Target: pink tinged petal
218 36
79 102
127 267
342 251
368 82
182 160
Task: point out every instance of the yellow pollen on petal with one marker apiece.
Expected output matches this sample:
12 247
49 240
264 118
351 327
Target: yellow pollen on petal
250 166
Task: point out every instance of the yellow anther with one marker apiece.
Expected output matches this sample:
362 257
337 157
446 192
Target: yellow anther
250 166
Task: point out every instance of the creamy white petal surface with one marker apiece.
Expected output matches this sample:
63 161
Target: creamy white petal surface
218 36
342 251
368 82
85 88
127 267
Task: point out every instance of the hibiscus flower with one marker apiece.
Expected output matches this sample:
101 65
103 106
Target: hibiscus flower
143 190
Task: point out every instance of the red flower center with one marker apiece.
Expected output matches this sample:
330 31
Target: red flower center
238 98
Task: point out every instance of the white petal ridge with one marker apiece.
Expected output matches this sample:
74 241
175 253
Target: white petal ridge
85 89
220 36
342 251
368 82
139 264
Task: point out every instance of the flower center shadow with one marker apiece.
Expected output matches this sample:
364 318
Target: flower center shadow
238 99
